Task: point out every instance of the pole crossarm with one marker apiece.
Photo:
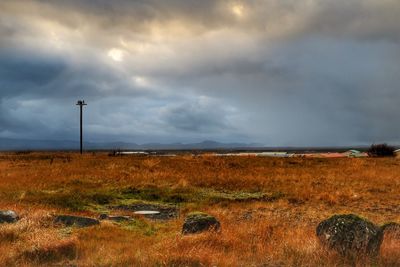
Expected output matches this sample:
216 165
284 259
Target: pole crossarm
81 103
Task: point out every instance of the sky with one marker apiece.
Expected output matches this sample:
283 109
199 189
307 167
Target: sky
274 72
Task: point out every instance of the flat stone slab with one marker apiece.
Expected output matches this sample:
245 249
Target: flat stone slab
151 211
8 216
146 212
70 220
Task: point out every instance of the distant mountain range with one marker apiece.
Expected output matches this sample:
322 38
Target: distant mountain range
8 144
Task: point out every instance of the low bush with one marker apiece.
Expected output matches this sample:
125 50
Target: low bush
381 150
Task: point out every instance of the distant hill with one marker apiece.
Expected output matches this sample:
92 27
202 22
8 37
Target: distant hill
25 144
9 144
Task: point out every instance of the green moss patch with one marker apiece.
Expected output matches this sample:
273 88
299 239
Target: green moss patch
78 198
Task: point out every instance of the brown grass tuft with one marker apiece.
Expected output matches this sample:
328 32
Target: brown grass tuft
47 249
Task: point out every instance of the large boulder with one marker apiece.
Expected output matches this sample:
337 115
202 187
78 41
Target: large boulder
8 216
350 235
197 222
70 220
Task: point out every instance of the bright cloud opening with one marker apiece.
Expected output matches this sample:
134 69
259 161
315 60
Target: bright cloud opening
238 10
116 54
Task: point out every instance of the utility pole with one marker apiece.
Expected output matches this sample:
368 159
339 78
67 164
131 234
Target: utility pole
81 103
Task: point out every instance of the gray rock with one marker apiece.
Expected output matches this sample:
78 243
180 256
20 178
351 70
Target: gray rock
198 222
350 235
8 216
70 220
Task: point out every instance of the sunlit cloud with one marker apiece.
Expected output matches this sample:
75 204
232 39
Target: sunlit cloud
238 10
142 82
116 54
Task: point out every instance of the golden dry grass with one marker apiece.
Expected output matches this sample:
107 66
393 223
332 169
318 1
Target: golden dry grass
276 230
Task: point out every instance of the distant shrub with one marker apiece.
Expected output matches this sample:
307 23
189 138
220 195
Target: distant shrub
381 150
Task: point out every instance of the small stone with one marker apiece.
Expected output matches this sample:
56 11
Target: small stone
70 220
198 222
248 215
103 216
350 235
8 216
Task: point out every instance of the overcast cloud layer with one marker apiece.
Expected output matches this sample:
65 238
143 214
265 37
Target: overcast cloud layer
276 72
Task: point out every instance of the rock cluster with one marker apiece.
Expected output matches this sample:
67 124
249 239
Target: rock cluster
349 234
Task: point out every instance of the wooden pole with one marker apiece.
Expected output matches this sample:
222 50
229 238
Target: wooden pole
81 103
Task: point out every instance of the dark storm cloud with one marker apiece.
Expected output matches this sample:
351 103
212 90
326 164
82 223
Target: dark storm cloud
196 117
41 76
7 122
366 20
20 73
358 18
119 13
282 72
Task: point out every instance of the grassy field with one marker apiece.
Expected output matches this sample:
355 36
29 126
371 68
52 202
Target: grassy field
268 208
